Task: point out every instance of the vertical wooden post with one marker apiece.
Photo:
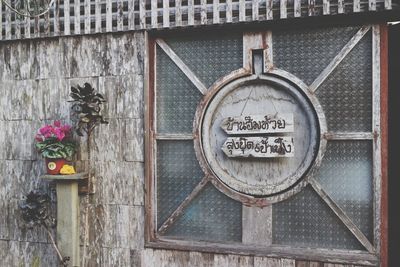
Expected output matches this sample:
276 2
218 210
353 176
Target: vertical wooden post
68 220
68 214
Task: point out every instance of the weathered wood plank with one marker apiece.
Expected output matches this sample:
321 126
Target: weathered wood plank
233 261
242 10
311 8
323 255
1 21
109 18
14 253
181 65
154 17
67 30
142 14
349 136
174 137
228 11
129 189
56 18
7 15
388 4
283 9
133 140
372 5
27 27
255 11
178 13
165 13
203 12
190 12
377 128
356 6
120 15
269 6
77 17
98 16
270 262
131 15
341 6
47 22
17 27
87 16
103 149
339 57
164 258
326 7
216 7
123 226
115 256
257 226
297 8
259 147
36 27
201 259
308 264
252 124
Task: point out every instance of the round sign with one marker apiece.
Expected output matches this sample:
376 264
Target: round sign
259 135
51 165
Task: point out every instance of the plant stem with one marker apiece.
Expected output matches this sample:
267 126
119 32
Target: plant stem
86 234
60 257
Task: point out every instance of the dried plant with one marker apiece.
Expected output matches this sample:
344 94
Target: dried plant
86 108
35 211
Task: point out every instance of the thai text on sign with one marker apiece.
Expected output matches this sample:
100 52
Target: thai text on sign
260 147
251 124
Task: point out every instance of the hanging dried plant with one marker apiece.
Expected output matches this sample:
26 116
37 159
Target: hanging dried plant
35 211
86 108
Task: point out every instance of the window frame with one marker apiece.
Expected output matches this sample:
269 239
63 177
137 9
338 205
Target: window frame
379 167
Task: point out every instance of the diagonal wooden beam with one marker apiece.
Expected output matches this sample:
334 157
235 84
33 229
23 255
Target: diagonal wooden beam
179 210
339 57
182 66
342 216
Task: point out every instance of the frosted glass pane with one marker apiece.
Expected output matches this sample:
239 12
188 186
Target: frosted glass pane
211 216
346 175
305 220
178 172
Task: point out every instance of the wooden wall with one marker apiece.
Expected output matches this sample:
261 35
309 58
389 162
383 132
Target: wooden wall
35 77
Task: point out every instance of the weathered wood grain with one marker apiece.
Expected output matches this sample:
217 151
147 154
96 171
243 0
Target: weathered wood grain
133 141
107 141
164 258
257 225
233 261
259 262
201 259
120 183
109 19
123 226
124 94
115 257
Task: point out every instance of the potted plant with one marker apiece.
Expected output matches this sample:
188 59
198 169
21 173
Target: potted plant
54 142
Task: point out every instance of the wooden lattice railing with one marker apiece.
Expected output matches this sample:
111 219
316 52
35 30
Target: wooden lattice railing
97 16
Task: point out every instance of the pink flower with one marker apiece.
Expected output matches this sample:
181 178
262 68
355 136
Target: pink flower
57 123
39 138
66 128
45 130
59 134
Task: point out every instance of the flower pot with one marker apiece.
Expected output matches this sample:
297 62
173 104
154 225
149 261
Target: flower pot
54 165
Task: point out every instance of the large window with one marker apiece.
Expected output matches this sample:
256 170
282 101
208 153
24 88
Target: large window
266 143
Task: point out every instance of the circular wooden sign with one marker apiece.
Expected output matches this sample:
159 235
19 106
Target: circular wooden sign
259 135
